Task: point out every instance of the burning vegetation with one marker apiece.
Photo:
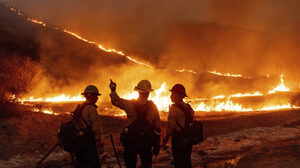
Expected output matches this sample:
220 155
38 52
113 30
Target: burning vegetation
239 101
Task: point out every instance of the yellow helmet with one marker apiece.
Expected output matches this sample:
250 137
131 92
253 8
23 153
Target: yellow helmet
144 86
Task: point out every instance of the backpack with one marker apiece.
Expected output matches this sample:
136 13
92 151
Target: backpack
70 138
193 130
140 131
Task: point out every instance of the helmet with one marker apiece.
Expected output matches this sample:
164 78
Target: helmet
91 89
179 88
144 86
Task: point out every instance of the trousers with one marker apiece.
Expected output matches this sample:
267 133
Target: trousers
181 152
88 157
130 155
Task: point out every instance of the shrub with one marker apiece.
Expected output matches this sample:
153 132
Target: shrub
16 74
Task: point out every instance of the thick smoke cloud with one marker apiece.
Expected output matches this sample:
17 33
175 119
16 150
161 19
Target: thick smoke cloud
250 37
230 35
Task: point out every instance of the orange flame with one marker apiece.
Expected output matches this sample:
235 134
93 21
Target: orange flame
37 22
226 74
83 39
161 95
59 98
280 88
224 106
48 111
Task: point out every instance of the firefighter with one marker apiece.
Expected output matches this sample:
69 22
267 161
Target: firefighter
181 147
141 113
89 156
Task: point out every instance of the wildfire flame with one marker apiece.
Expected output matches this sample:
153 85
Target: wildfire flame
230 106
227 74
105 49
37 22
100 46
224 106
48 111
59 98
121 53
215 73
186 70
161 95
280 88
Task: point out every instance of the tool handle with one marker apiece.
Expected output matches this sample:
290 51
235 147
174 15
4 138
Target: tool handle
51 150
112 142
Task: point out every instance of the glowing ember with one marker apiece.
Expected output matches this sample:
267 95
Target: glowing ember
281 87
15 10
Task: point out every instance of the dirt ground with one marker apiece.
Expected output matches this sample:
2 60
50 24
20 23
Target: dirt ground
261 139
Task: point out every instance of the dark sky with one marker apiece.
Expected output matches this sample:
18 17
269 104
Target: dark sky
256 14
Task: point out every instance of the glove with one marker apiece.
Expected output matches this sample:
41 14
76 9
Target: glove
112 86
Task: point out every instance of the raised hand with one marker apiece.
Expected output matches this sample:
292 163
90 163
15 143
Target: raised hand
112 86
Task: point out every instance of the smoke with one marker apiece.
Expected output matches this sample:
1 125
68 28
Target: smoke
251 37
229 35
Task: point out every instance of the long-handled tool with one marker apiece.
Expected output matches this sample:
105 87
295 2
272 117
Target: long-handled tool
113 144
51 150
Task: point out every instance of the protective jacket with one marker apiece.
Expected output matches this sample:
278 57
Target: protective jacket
176 118
128 106
181 148
90 115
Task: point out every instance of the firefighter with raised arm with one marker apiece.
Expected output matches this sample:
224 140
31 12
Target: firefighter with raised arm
87 156
180 114
142 134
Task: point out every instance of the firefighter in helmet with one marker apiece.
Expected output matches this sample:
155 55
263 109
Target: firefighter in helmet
181 148
89 156
143 112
